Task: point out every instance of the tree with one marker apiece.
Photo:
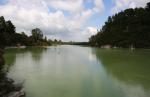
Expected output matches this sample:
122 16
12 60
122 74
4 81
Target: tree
148 6
9 37
10 28
127 28
7 31
37 34
2 30
2 24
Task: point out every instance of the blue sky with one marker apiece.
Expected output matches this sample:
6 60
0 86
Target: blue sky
98 20
68 20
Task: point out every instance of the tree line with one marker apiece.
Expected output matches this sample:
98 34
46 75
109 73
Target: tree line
128 28
9 37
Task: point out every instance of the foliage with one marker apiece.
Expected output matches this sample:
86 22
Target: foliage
9 37
129 28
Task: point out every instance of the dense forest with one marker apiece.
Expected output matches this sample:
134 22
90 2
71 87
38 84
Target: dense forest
128 28
9 37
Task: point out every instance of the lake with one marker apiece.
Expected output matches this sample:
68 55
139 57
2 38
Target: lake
77 71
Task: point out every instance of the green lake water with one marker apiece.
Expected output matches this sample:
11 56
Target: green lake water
76 71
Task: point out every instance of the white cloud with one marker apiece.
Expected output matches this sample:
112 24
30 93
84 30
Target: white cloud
86 33
99 5
91 30
74 6
50 16
83 34
123 4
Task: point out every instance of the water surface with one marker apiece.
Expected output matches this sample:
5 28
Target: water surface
76 71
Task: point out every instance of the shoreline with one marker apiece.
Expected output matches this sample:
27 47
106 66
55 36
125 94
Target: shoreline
7 86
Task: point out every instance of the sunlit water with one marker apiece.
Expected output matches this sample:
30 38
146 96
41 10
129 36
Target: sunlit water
75 71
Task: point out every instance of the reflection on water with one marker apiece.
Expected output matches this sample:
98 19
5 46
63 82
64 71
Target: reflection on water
128 69
74 71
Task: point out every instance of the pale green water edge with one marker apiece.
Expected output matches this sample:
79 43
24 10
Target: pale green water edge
75 71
